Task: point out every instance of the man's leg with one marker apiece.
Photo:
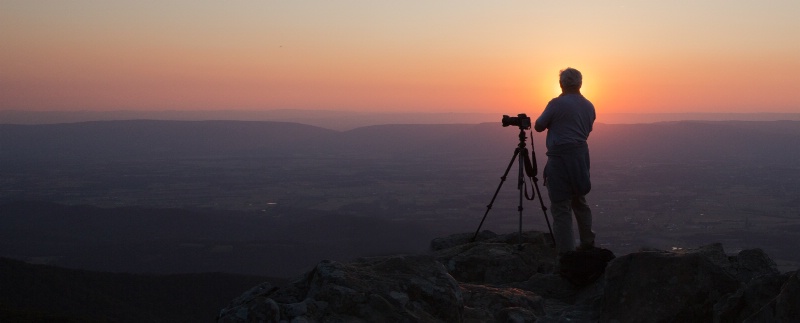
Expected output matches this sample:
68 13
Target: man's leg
583 215
562 225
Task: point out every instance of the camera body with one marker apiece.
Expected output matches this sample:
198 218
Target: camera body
521 120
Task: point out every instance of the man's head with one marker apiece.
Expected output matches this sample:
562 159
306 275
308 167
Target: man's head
570 79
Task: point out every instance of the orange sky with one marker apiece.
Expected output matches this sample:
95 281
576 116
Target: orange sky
411 56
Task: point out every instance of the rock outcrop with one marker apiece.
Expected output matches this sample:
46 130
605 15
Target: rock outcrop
671 286
494 259
387 289
510 278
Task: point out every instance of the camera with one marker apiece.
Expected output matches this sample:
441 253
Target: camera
521 120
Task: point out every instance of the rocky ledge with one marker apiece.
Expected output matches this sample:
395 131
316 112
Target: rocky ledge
500 278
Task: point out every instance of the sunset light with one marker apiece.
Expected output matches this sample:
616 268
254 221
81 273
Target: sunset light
337 161
449 56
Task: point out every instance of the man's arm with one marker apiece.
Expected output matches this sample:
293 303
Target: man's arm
538 127
544 120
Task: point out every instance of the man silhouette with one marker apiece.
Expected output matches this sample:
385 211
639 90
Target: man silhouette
568 120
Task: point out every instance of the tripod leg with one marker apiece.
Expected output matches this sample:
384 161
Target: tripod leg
521 186
544 210
502 180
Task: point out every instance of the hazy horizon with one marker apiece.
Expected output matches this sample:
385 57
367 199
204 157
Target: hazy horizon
347 120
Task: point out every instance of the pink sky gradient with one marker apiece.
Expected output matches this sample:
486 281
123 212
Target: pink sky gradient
412 56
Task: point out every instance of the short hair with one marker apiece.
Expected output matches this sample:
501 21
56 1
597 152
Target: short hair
570 78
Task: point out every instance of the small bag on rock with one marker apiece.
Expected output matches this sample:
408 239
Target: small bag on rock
583 267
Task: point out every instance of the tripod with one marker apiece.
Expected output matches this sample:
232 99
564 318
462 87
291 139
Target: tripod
525 166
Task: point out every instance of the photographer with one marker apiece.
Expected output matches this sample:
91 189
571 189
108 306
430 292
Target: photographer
568 120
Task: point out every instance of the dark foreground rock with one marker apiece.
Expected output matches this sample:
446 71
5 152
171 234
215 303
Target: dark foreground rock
783 308
502 278
675 287
390 289
495 259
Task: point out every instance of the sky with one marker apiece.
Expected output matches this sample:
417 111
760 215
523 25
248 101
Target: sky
399 56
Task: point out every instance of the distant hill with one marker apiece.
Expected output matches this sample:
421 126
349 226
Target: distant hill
148 139
135 139
773 141
329 119
38 293
347 120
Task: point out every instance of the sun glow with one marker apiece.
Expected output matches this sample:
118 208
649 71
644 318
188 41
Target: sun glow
407 56
548 87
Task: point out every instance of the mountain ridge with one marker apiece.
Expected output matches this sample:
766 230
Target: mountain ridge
173 139
345 120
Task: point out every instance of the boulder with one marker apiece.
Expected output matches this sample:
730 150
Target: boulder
751 263
761 283
660 286
459 239
583 267
749 299
786 304
784 307
564 301
252 306
495 304
385 289
498 260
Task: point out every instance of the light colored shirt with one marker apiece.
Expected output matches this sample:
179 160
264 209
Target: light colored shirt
567 118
